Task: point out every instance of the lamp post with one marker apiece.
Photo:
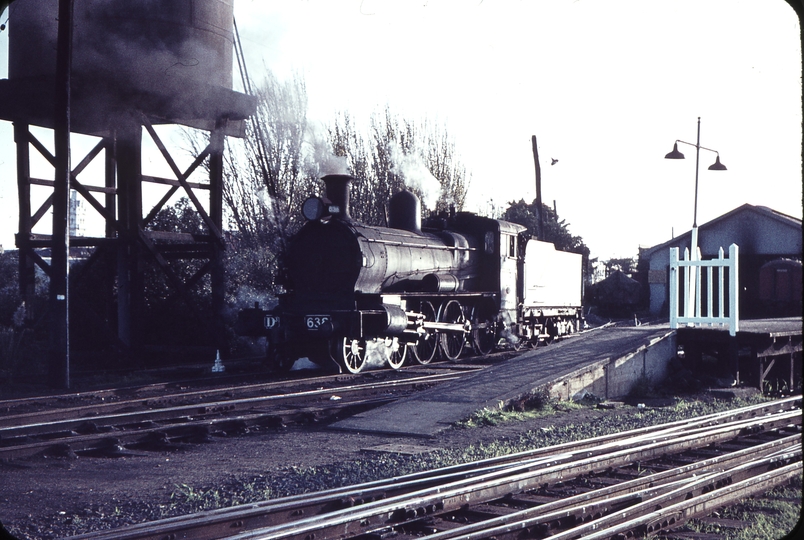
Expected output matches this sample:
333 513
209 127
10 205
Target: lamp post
716 166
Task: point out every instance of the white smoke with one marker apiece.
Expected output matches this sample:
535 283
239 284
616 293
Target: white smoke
327 162
415 174
265 202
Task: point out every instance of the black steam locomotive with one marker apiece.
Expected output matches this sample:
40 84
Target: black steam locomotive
368 296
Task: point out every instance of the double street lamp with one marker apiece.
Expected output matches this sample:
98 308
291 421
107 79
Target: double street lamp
716 166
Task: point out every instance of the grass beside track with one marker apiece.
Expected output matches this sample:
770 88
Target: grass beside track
772 516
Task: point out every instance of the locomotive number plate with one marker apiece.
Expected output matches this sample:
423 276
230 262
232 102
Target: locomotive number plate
271 321
314 322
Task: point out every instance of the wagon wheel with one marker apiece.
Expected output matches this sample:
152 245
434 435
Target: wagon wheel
550 328
353 354
396 352
452 342
427 344
484 330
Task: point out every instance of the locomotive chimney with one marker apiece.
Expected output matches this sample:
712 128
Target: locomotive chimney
338 192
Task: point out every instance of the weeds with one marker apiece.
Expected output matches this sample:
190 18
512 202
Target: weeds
771 516
537 404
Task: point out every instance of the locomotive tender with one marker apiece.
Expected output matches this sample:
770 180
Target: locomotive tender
364 295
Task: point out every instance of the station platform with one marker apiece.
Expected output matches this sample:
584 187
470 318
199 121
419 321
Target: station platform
605 362
764 353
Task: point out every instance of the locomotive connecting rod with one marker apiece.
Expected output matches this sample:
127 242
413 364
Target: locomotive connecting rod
448 327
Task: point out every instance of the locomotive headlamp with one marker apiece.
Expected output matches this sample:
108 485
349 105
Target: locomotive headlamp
313 208
319 207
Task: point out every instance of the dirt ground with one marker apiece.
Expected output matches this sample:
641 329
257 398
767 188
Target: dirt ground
39 496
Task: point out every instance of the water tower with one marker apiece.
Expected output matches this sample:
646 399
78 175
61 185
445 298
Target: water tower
135 64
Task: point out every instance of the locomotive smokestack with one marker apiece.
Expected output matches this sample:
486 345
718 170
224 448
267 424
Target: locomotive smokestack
338 192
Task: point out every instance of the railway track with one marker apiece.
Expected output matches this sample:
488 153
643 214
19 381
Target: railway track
641 481
192 415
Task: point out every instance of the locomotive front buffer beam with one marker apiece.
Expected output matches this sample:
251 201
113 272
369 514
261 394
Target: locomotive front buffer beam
389 320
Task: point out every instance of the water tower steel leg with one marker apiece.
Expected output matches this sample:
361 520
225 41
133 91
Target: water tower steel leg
27 272
129 200
110 202
218 278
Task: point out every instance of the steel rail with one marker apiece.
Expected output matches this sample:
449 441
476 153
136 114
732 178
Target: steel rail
376 515
196 409
10 404
180 428
588 505
292 508
683 505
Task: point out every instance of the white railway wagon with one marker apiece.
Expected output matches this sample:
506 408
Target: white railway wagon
552 286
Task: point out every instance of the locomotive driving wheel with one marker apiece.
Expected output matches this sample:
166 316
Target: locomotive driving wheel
452 342
396 352
353 354
484 330
427 344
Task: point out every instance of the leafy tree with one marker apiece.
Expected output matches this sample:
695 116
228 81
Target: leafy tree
171 317
556 230
398 154
267 175
182 217
272 170
626 265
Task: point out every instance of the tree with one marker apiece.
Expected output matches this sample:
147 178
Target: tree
556 230
267 175
272 171
626 265
398 153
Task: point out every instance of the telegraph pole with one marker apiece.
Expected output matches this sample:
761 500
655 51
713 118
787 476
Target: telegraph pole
538 187
60 243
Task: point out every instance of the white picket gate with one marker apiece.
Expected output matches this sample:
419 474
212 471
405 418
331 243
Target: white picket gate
695 282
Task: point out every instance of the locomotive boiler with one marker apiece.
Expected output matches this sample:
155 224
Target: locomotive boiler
366 295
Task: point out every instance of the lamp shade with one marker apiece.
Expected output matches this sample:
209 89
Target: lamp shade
717 165
675 154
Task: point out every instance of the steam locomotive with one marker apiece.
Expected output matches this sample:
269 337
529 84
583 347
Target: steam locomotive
362 296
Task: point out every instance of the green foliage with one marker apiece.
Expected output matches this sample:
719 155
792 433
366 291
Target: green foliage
171 317
182 217
10 298
556 230
533 405
626 265
769 517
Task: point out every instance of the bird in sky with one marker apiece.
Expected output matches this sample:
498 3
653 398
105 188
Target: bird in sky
554 161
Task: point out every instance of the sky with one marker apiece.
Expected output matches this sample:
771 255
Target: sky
606 86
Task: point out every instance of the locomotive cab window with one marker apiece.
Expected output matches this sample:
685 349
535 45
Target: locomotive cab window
489 242
512 246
